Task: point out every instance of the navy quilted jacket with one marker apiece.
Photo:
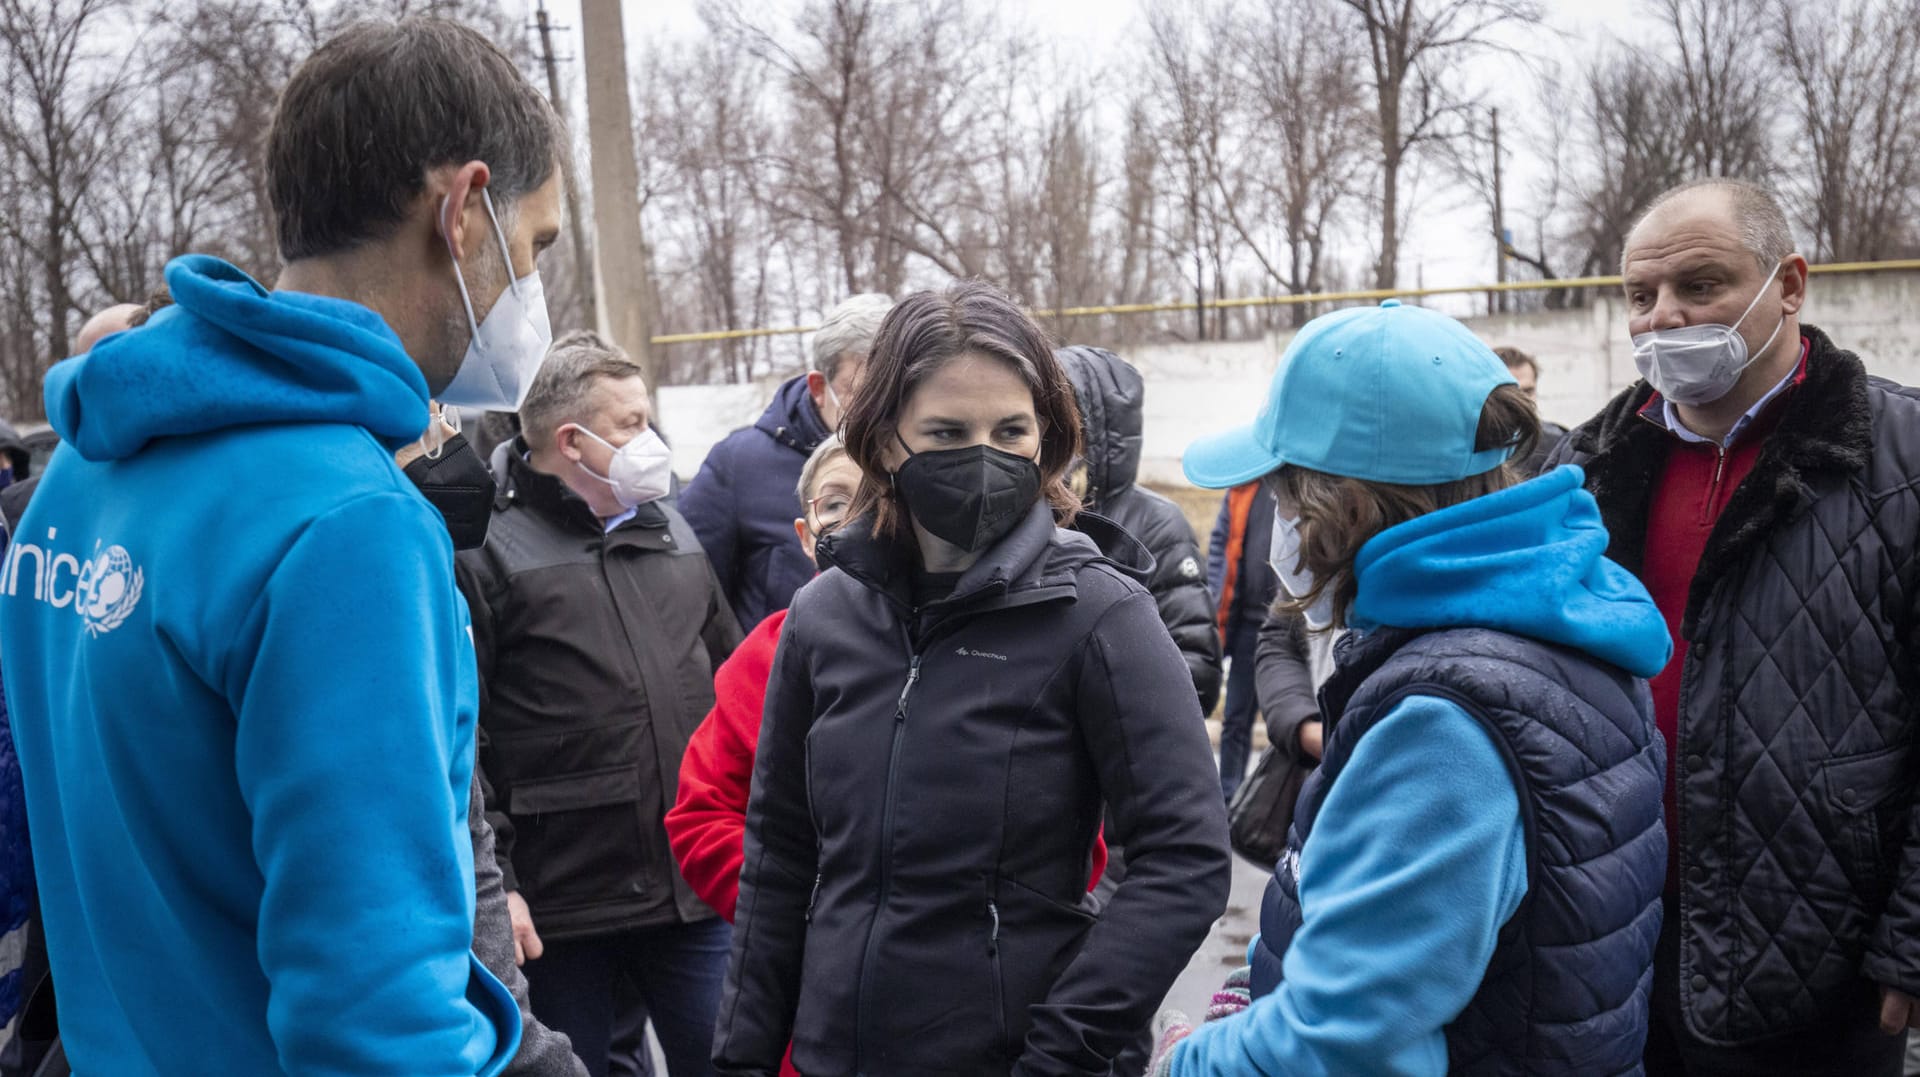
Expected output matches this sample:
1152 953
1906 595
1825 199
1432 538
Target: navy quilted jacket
1567 988
1799 854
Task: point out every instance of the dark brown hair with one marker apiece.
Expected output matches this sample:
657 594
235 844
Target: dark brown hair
1515 359
1339 514
364 119
922 333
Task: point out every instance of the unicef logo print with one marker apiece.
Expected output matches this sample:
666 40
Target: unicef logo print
109 589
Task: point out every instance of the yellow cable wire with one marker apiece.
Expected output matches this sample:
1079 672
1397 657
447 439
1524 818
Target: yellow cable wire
1904 264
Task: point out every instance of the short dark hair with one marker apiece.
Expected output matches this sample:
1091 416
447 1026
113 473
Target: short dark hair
562 392
1515 359
921 334
1764 230
365 117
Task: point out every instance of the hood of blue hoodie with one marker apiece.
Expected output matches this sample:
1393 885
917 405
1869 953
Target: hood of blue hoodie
1530 560
230 353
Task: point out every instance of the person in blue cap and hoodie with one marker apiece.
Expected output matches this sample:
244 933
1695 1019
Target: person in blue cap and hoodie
1472 882
240 675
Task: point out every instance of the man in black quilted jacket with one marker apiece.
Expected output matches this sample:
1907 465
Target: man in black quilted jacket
1767 492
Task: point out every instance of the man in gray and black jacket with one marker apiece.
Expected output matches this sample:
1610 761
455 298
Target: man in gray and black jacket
598 623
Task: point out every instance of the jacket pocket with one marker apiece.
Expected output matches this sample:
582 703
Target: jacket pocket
1855 791
578 839
1039 937
996 979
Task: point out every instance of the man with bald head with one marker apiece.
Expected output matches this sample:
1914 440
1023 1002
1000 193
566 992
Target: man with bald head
114 319
1763 487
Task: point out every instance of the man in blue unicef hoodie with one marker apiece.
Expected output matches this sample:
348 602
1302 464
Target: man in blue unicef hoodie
241 679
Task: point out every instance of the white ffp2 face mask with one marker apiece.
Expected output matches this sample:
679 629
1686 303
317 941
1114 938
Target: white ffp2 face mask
506 350
1698 364
641 470
1283 555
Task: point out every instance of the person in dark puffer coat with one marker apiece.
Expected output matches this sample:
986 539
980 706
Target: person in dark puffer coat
1111 396
741 504
952 703
1472 881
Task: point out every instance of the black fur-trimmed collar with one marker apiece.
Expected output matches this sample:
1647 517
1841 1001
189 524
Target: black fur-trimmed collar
1825 434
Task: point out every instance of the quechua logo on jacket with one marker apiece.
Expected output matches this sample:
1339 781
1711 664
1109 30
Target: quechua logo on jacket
103 590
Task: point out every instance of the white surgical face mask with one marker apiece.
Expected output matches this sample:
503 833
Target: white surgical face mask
1283 555
1698 364
506 350
641 470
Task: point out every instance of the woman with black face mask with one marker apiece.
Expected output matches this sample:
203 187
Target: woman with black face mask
952 701
453 479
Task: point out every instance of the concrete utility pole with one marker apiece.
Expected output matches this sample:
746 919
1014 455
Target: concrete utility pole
1497 302
619 248
576 225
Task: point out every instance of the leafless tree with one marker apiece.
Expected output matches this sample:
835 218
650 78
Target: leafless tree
1192 112
1636 124
1296 65
1723 103
59 95
1411 44
1856 159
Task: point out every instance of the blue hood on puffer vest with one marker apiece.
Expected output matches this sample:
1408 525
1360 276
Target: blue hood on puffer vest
1530 560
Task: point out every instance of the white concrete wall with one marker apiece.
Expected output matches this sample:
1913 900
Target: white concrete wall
1585 358
1193 389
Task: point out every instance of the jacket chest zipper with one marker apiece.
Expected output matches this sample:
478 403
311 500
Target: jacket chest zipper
1713 490
886 859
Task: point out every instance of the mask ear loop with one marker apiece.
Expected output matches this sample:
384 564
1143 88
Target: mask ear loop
433 441
446 227
893 477
506 253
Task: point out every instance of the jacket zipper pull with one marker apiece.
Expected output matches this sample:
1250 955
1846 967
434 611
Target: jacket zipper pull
993 939
814 897
913 675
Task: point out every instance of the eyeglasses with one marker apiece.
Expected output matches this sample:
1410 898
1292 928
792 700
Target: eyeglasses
829 510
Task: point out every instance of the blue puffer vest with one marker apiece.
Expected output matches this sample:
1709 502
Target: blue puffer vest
1566 990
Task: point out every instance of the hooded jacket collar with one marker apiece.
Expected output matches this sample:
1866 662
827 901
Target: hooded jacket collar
1529 561
229 353
1824 434
1112 398
792 420
1035 562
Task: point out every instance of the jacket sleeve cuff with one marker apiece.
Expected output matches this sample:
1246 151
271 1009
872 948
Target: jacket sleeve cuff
1883 966
1284 731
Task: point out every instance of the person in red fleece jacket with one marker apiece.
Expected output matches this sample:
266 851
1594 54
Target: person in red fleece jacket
707 825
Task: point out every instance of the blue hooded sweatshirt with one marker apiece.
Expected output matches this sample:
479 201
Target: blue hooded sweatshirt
1418 855
243 697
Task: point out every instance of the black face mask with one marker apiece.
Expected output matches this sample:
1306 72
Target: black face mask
970 497
461 487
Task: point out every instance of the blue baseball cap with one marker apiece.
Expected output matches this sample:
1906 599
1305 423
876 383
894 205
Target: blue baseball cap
1387 394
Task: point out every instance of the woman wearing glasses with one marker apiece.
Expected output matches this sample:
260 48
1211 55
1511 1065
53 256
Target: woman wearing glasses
950 706
709 817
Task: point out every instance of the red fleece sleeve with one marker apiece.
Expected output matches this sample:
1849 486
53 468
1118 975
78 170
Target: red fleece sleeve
707 825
